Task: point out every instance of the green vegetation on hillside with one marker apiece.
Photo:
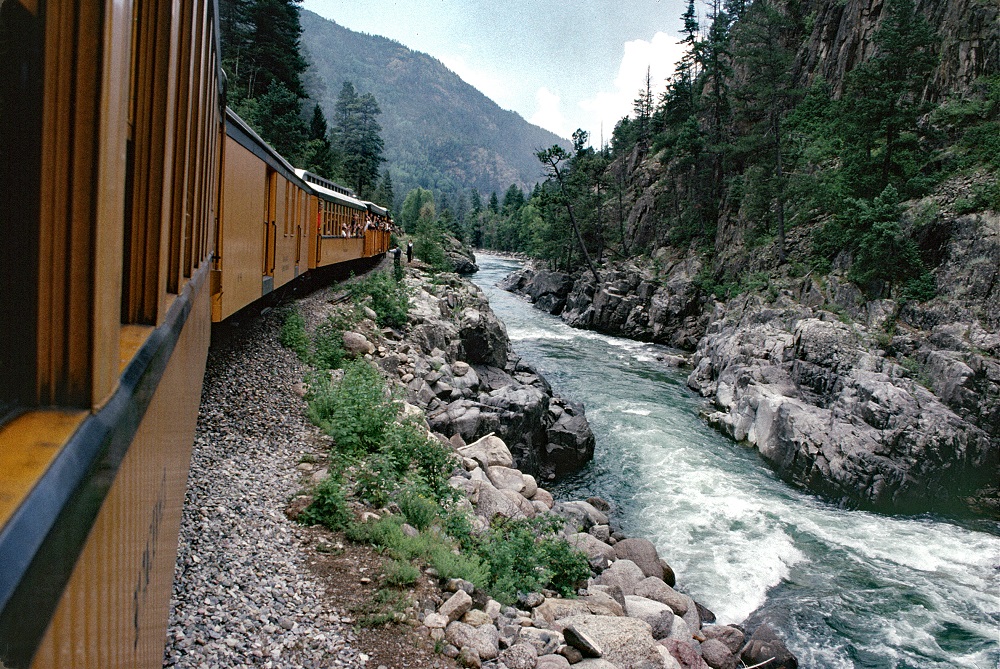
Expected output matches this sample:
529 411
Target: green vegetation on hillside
384 458
265 68
441 134
741 151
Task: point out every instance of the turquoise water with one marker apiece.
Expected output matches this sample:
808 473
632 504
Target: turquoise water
844 588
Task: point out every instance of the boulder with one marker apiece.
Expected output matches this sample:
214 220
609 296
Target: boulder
456 606
764 645
492 502
530 485
685 654
468 657
543 496
623 573
569 440
519 656
580 515
357 345
544 642
625 642
505 478
484 640
483 337
658 615
556 608
717 655
655 589
476 618
592 547
552 662
488 451
594 663
643 553
732 637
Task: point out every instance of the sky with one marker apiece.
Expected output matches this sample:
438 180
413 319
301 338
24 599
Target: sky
561 64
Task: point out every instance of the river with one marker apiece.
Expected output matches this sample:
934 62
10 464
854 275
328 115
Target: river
844 588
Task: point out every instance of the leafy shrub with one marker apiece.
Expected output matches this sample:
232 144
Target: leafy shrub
568 566
467 566
354 411
389 298
526 556
293 335
329 505
328 343
417 509
399 573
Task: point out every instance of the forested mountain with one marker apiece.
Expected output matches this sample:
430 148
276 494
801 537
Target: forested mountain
440 133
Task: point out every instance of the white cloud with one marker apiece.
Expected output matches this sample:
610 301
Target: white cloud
548 114
659 55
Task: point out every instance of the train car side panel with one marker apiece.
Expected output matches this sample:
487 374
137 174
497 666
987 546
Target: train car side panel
242 228
338 249
121 585
284 262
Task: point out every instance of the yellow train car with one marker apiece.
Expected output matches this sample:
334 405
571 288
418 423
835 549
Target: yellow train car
263 240
111 127
337 234
137 210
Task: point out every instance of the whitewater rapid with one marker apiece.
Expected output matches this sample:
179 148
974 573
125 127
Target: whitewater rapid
844 588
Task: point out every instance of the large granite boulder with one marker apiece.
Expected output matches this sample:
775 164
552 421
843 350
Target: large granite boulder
625 642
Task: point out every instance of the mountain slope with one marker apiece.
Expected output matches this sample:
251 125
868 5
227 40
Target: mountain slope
439 131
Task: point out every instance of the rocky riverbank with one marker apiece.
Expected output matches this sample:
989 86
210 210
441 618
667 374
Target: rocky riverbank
876 403
628 617
456 366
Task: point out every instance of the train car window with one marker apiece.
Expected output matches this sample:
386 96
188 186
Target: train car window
20 136
148 174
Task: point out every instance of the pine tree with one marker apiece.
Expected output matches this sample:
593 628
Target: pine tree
358 138
276 117
883 97
766 96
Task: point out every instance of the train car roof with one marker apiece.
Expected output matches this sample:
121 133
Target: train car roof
334 196
240 130
375 209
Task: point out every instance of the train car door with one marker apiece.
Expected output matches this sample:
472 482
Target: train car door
270 231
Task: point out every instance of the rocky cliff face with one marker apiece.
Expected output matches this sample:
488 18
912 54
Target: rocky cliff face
871 402
841 37
656 301
460 369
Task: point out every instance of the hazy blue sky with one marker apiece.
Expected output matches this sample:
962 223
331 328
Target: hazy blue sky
562 64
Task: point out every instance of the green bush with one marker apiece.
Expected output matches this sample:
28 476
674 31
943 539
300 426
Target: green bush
418 510
467 566
921 288
293 335
329 505
428 245
389 298
328 345
354 411
399 572
526 556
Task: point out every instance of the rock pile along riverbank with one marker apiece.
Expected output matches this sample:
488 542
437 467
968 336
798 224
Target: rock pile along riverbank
874 403
244 592
628 617
455 364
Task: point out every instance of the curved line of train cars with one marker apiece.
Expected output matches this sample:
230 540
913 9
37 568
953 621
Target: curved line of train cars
137 210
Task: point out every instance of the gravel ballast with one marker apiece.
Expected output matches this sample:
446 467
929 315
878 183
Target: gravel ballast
243 594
